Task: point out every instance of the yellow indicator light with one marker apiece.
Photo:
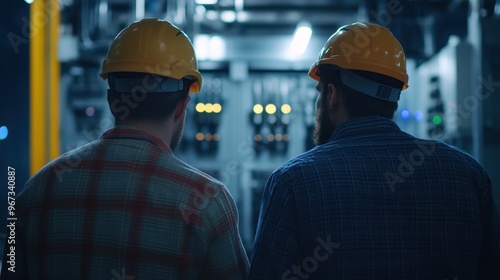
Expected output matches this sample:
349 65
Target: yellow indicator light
216 137
257 109
286 108
200 136
270 109
208 136
217 108
286 138
258 137
209 107
200 107
270 137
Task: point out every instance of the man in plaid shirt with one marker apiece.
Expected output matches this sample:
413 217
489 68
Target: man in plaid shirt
370 201
123 206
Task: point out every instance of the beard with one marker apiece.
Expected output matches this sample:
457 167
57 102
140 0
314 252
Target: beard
324 126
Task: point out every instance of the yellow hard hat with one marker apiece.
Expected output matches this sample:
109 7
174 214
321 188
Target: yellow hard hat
364 46
156 47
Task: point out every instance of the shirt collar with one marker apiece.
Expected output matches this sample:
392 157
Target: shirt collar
364 126
129 132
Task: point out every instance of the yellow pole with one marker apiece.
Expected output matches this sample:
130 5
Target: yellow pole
37 86
44 83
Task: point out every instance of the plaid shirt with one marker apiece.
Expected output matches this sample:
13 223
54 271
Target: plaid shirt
124 207
377 203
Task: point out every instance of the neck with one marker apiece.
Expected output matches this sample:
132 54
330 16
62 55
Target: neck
161 130
339 117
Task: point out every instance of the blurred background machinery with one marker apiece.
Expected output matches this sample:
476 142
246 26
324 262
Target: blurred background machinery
257 108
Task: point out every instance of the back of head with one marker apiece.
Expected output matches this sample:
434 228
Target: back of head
151 65
367 65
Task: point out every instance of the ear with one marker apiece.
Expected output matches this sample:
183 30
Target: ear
333 97
180 110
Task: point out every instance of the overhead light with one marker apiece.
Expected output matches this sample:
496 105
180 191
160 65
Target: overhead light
300 39
140 9
201 46
206 2
217 48
242 16
212 15
209 47
228 16
238 5
28 1
200 10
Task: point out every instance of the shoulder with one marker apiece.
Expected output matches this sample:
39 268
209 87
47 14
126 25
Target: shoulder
66 161
309 162
210 198
189 172
446 152
203 188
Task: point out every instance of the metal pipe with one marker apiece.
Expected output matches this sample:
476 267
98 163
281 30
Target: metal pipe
84 28
102 19
475 39
140 7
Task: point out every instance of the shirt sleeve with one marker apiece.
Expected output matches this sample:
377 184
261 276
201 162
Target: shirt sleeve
489 258
226 257
276 247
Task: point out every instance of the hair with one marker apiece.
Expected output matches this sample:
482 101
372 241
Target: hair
357 103
140 105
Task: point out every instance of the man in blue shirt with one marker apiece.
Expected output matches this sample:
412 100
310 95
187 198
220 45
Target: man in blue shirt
370 201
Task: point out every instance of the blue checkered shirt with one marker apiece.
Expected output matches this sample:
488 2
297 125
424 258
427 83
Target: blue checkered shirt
377 203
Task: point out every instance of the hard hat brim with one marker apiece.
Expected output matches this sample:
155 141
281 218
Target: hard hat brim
151 68
371 66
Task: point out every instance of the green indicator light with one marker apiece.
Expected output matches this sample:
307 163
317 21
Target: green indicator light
437 120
